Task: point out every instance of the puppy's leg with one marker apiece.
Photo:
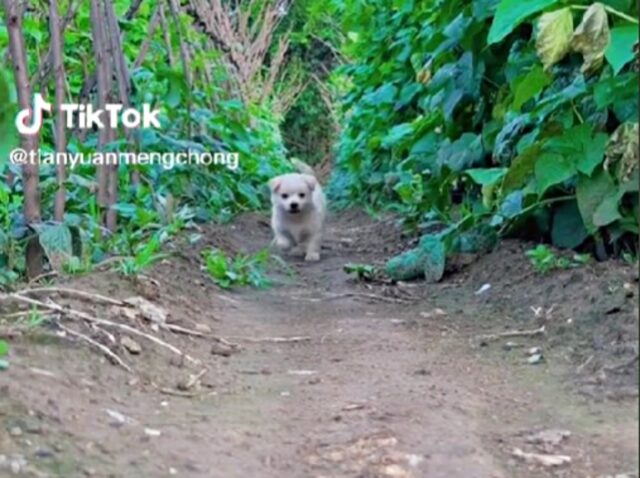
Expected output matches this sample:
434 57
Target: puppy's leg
313 248
282 242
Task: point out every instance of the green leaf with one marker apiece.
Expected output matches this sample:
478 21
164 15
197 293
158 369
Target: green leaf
528 86
553 42
591 192
585 149
510 13
592 36
552 169
486 176
4 348
620 51
397 134
567 230
522 168
434 259
607 212
462 154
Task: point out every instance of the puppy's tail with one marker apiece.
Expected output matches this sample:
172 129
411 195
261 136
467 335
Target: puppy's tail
302 167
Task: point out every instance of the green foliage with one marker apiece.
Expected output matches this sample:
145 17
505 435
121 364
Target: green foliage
544 260
362 271
4 351
507 122
242 270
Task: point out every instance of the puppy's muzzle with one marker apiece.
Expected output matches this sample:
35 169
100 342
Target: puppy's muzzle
294 207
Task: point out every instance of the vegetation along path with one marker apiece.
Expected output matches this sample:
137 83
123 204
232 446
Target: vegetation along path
332 377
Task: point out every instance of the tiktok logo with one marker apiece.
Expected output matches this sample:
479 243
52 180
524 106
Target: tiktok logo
39 107
86 117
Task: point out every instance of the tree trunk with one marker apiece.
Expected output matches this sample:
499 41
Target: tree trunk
57 49
30 143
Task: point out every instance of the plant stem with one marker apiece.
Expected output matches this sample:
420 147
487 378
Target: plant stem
533 206
610 10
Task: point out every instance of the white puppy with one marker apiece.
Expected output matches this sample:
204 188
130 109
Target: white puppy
297 211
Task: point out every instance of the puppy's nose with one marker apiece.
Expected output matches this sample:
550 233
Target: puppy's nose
294 206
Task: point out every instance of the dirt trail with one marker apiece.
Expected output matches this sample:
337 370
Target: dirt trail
385 381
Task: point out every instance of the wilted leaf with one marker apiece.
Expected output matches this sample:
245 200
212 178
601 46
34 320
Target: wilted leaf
552 169
568 230
510 13
555 30
592 37
620 51
622 151
57 244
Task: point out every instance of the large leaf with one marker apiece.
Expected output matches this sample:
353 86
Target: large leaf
462 154
552 169
592 36
528 86
510 13
8 110
568 230
554 36
607 212
585 149
486 176
620 51
591 192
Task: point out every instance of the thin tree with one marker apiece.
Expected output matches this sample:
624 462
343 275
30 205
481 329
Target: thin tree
30 143
57 49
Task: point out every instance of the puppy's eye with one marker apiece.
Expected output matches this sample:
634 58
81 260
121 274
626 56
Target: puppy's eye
301 195
285 196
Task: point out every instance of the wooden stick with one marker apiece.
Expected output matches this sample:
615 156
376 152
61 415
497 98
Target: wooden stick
106 350
74 293
83 316
516 333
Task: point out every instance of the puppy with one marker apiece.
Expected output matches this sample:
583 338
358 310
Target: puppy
298 209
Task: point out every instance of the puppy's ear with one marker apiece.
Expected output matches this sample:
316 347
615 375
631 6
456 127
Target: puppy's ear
311 181
274 184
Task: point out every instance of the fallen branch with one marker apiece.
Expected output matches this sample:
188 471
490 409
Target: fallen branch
515 333
276 340
106 350
84 316
623 365
74 293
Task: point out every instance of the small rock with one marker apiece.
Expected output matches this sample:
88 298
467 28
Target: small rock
629 289
44 453
549 438
222 350
130 345
152 432
15 431
535 359
534 351
204 328
510 346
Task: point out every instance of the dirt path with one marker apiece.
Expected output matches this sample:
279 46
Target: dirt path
383 382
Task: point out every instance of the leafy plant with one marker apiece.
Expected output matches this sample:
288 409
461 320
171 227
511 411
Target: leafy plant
544 260
362 271
242 270
4 351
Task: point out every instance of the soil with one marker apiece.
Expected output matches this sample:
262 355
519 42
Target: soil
372 379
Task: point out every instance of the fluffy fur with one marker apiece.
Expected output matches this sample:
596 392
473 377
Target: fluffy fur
298 210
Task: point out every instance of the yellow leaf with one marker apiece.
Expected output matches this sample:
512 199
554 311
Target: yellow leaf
554 36
592 37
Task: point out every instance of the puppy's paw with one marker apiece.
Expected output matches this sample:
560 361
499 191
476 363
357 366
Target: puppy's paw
282 243
312 256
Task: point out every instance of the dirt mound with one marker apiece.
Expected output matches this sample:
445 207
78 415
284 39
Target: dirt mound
332 376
